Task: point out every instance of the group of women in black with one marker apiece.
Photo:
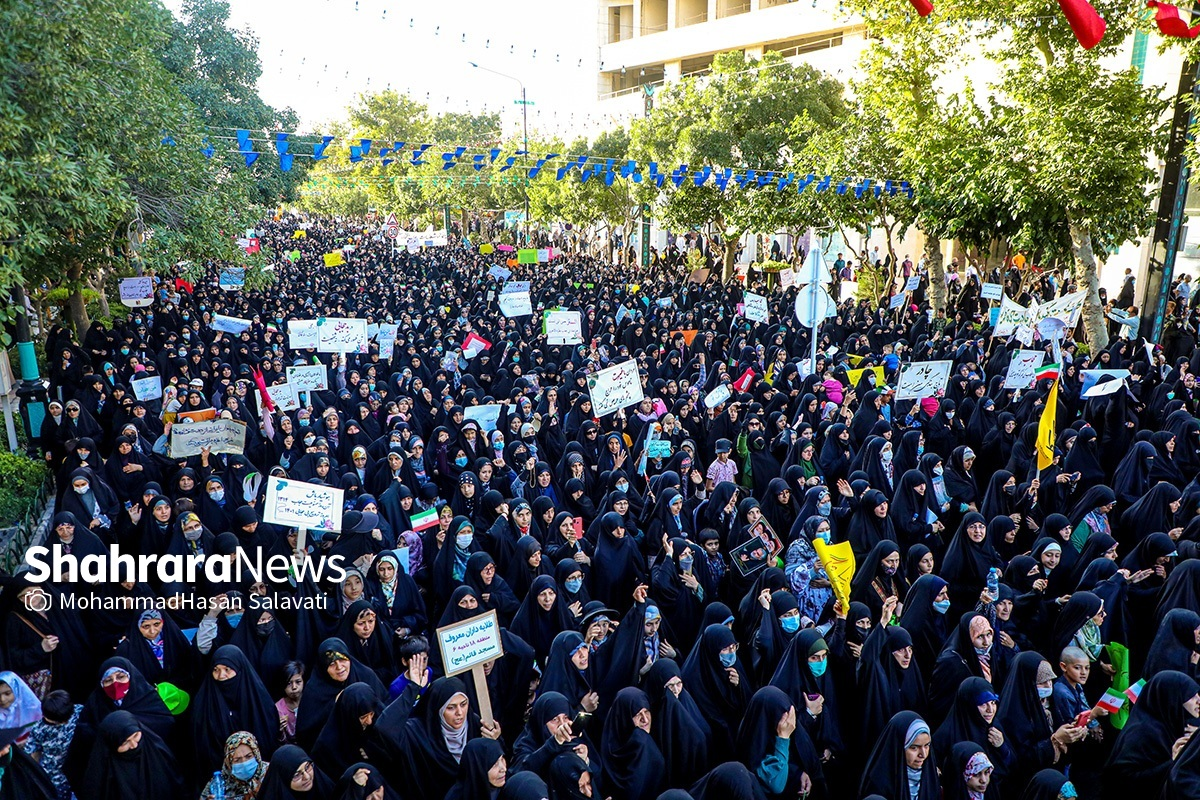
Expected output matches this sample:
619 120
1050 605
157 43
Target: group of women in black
668 625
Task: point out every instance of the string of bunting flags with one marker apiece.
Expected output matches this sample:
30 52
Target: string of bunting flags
588 167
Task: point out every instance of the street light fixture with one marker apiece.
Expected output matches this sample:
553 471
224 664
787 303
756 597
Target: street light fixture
525 136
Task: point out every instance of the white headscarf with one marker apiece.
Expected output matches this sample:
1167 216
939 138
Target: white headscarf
26 709
456 740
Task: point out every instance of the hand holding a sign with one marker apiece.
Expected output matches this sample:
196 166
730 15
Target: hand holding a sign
491 730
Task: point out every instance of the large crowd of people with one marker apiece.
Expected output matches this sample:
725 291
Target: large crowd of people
668 627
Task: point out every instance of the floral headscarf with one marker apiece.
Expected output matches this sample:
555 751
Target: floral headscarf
233 786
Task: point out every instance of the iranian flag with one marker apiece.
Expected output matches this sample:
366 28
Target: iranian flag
426 519
1048 371
1111 701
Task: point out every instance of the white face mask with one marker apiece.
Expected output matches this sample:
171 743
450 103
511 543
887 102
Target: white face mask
82 489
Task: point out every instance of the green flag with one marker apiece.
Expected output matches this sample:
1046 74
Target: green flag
1118 656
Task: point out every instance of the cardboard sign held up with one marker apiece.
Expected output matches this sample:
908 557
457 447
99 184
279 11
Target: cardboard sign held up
468 645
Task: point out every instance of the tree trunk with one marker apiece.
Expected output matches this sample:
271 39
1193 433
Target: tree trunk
937 272
729 257
1087 278
96 283
76 308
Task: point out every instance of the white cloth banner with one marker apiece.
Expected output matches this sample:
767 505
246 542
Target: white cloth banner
1012 315
1065 308
230 324
218 435
615 388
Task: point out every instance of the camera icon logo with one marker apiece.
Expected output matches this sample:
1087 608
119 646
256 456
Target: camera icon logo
36 599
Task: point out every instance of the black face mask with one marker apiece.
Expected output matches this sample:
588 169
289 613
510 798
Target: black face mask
265 629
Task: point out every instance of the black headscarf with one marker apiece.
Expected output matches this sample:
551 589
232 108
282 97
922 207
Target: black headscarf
679 729
721 702
240 703
320 689
966 565
1174 644
478 757
924 623
886 772
536 625
1141 756
429 761
757 735
148 770
277 785
636 767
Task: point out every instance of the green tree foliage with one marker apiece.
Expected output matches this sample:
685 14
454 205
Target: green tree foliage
1052 157
87 184
745 115
218 70
411 191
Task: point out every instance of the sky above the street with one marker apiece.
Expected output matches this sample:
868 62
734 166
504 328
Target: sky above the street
318 55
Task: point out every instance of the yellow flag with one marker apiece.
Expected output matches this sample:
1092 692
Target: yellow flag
301 234
855 360
334 259
853 375
1045 434
838 562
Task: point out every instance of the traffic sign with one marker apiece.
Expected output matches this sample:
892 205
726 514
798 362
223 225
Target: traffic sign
392 227
810 309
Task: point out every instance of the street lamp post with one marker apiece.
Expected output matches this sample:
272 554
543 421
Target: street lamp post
525 136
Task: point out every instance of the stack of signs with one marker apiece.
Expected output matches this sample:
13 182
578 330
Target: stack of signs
298 504
1022 367
614 388
756 309
923 379
564 327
